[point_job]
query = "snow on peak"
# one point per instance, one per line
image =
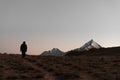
(89, 45)
(53, 52)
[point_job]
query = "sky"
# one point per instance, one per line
(63, 24)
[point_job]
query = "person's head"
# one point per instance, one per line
(23, 42)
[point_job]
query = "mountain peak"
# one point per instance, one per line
(54, 49)
(53, 52)
(90, 42)
(89, 45)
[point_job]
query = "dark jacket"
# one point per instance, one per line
(23, 47)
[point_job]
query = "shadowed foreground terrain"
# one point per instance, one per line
(13, 67)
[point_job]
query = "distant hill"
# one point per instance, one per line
(87, 47)
(53, 52)
(101, 51)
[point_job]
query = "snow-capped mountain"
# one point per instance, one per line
(53, 52)
(89, 45)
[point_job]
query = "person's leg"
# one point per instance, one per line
(23, 54)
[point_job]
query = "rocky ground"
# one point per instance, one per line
(13, 67)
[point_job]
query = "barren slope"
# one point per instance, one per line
(13, 67)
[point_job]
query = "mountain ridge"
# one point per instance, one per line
(88, 45)
(53, 52)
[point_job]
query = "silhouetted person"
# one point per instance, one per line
(23, 49)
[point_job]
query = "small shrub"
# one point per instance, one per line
(39, 76)
(66, 76)
(77, 68)
(12, 77)
(50, 70)
(66, 64)
(23, 76)
(40, 65)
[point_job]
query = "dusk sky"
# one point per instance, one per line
(63, 24)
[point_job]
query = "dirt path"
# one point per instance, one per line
(47, 76)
